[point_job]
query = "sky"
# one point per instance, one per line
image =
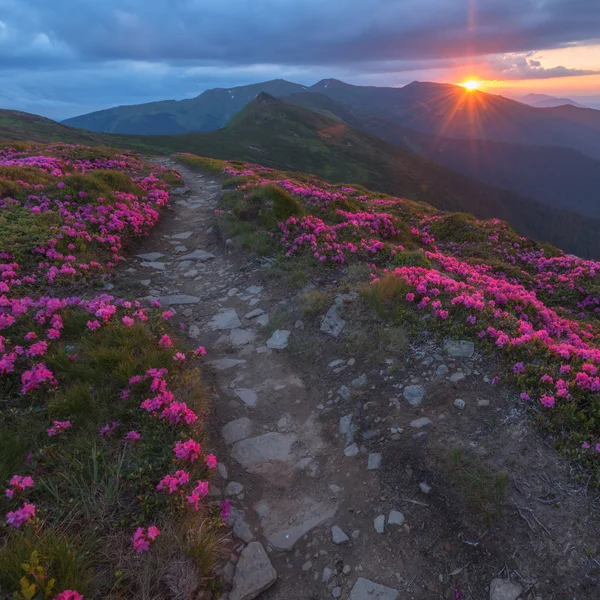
(67, 57)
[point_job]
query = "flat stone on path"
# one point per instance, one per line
(395, 517)
(150, 256)
(241, 529)
(248, 397)
(254, 289)
(374, 462)
(270, 447)
(379, 524)
(178, 299)
(279, 340)
(459, 348)
(221, 364)
(241, 337)
(254, 573)
(254, 313)
(422, 422)
(237, 430)
(200, 255)
(503, 589)
(182, 236)
(154, 265)
(263, 320)
(234, 488)
(226, 319)
(351, 450)
(364, 589)
(414, 394)
(338, 536)
(333, 324)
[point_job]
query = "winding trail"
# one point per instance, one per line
(333, 467)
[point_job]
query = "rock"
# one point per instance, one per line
(459, 348)
(194, 332)
(456, 377)
(232, 292)
(336, 363)
(379, 523)
(233, 488)
(364, 589)
(503, 589)
(483, 403)
(346, 570)
(221, 364)
(346, 424)
(345, 393)
(248, 397)
(425, 488)
(222, 470)
(279, 340)
(146, 282)
(180, 248)
(360, 381)
(150, 256)
(226, 319)
(254, 313)
(442, 370)
(336, 592)
(332, 323)
(154, 265)
(182, 236)
(421, 422)
(327, 575)
(254, 289)
(414, 394)
(191, 273)
(270, 447)
(338, 536)
(263, 320)
(460, 404)
(307, 566)
(199, 255)
(395, 518)
(241, 337)
(179, 191)
(237, 430)
(351, 450)
(254, 573)
(241, 529)
(178, 299)
(373, 462)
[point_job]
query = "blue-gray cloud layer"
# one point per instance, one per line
(78, 55)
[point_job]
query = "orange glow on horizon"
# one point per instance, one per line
(471, 84)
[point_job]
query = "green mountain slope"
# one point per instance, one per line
(555, 176)
(207, 112)
(276, 134)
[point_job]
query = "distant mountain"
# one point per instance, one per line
(207, 112)
(273, 133)
(545, 101)
(559, 177)
(451, 111)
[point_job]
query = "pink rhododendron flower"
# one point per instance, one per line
(171, 483)
(189, 450)
(22, 515)
(141, 538)
(211, 461)
(93, 325)
(225, 510)
(547, 401)
(165, 341)
(167, 314)
(108, 430)
(19, 484)
(128, 321)
(68, 594)
(200, 351)
(133, 436)
(58, 427)
(180, 357)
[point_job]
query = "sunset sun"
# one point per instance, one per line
(471, 84)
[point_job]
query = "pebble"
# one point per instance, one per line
(338, 536)
(421, 422)
(395, 518)
(351, 450)
(374, 462)
(379, 524)
(336, 592)
(460, 404)
(425, 488)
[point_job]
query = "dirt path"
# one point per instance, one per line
(369, 476)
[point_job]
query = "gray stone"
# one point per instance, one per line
(456, 377)
(241, 337)
(346, 424)
(241, 529)
(154, 265)
(414, 394)
(374, 462)
(191, 273)
(221, 364)
(421, 422)
(307, 566)
(503, 589)
(254, 573)
(270, 447)
(263, 320)
(338, 536)
(345, 393)
(179, 191)
(395, 518)
(222, 468)
(483, 403)
(379, 523)
(194, 332)
(182, 236)
(237, 430)
(336, 363)
(327, 575)
(150, 256)
(146, 282)
(180, 248)
(234, 488)
(442, 370)
(424, 487)
(459, 348)
(360, 381)
(351, 450)
(226, 319)
(279, 340)
(333, 324)
(460, 404)
(254, 313)
(199, 255)
(178, 299)
(336, 592)
(346, 570)
(364, 589)
(254, 289)
(248, 397)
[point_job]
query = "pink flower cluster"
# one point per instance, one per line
(142, 537)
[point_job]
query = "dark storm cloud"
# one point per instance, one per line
(79, 41)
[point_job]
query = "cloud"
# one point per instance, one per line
(523, 67)
(102, 53)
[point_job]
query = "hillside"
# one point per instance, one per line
(207, 112)
(554, 176)
(546, 101)
(279, 135)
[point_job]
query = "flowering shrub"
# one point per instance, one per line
(88, 384)
(536, 306)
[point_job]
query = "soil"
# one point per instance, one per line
(502, 502)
